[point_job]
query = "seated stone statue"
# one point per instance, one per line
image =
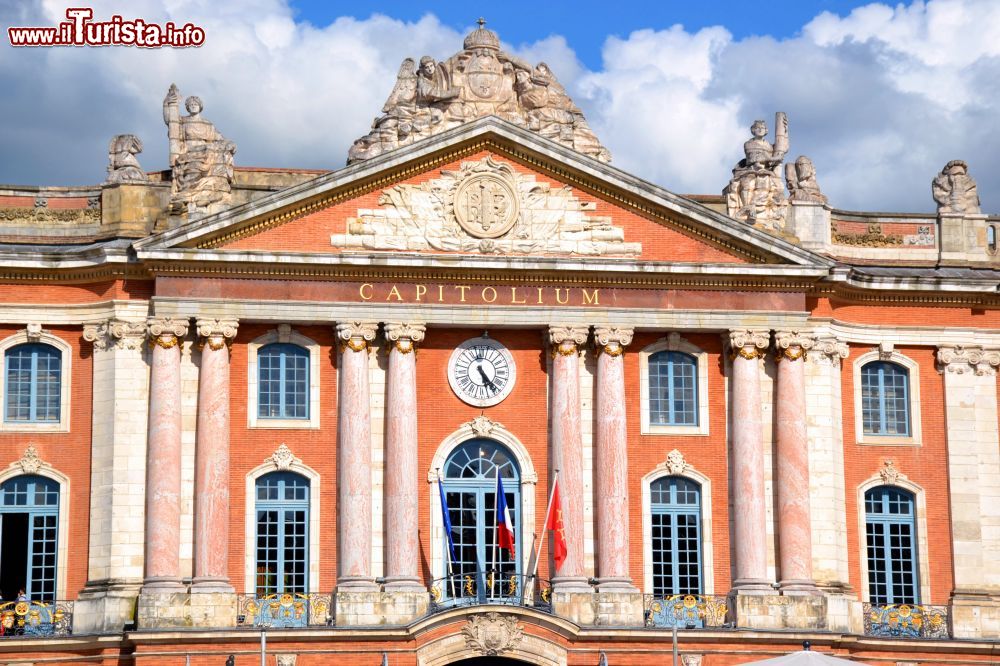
(123, 166)
(755, 193)
(800, 177)
(955, 191)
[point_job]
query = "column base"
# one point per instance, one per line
(156, 584)
(975, 615)
(211, 585)
(773, 611)
(798, 587)
(162, 610)
(751, 586)
(358, 607)
(572, 584)
(619, 608)
(105, 606)
(576, 606)
(403, 607)
(404, 584)
(620, 585)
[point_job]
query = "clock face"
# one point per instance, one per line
(481, 372)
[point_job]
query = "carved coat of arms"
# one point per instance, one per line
(492, 634)
(486, 204)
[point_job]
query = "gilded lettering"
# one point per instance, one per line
(361, 291)
(394, 292)
(463, 288)
(562, 300)
(591, 299)
(421, 290)
(539, 295)
(513, 297)
(440, 293)
(492, 291)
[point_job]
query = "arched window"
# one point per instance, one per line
(470, 482)
(673, 389)
(675, 505)
(283, 382)
(34, 380)
(991, 239)
(885, 399)
(890, 530)
(282, 506)
(29, 510)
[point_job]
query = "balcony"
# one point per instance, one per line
(686, 611)
(906, 621)
(36, 618)
(284, 611)
(489, 588)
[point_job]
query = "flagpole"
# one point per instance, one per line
(545, 525)
(444, 507)
(496, 523)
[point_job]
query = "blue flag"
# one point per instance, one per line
(446, 521)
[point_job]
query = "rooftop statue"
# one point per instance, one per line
(954, 189)
(123, 166)
(755, 193)
(481, 80)
(201, 159)
(801, 179)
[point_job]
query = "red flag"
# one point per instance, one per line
(555, 522)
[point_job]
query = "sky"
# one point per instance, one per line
(880, 96)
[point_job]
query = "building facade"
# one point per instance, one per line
(241, 405)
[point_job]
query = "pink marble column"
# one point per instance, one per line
(611, 462)
(163, 462)
(402, 552)
(749, 519)
(211, 464)
(354, 459)
(567, 449)
(794, 528)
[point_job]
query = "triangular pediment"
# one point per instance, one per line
(486, 188)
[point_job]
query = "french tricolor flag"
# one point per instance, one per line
(505, 529)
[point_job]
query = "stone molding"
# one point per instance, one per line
(115, 333)
(792, 345)
(828, 350)
(356, 335)
(612, 340)
(404, 335)
(748, 343)
(567, 339)
(491, 634)
(959, 359)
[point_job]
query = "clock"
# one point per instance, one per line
(481, 372)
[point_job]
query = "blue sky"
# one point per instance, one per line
(879, 95)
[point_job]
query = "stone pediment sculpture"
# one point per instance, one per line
(755, 194)
(800, 176)
(201, 159)
(123, 165)
(955, 191)
(488, 207)
(480, 80)
(491, 634)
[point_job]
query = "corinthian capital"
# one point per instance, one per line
(749, 343)
(792, 345)
(115, 332)
(959, 359)
(356, 335)
(166, 332)
(565, 340)
(828, 350)
(612, 340)
(404, 336)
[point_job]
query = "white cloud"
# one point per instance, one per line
(880, 99)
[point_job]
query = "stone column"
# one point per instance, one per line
(354, 465)
(611, 461)
(163, 464)
(974, 481)
(794, 530)
(402, 524)
(567, 450)
(211, 462)
(117, 476)
(749, 521)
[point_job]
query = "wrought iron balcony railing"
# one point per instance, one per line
(685, 611)
(490, 587)
(36, 618)
(906, 621)
(285, 610)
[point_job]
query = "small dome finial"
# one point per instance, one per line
(481, 22)
(481, 38)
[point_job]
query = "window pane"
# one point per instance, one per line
(283, 382)
(676, 536)
(673, 389)
(885, 399)
(891, 549)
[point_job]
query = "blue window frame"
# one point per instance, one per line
(885, 399)
(282, 382)
(29, 511)
(470, 490)
(282, 507)
(34, 384)
(673, 389)
(675, 505)
(890, 530)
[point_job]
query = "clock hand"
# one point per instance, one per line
(482, 373)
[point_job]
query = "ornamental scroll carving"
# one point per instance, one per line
(959, 359)
(483, 426)
(30, 462)
(355, 335)
(480, 80)
(612, 340)
(33, 332)
(167, 332)
(115, 333)
(491, 634)
(828, 350)
(889, 473)
(405, 336)
(486, 206)
(676, 464)
(566, 340)
(748, 343)
(283, 459)
(792, 345)
(217, 333)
